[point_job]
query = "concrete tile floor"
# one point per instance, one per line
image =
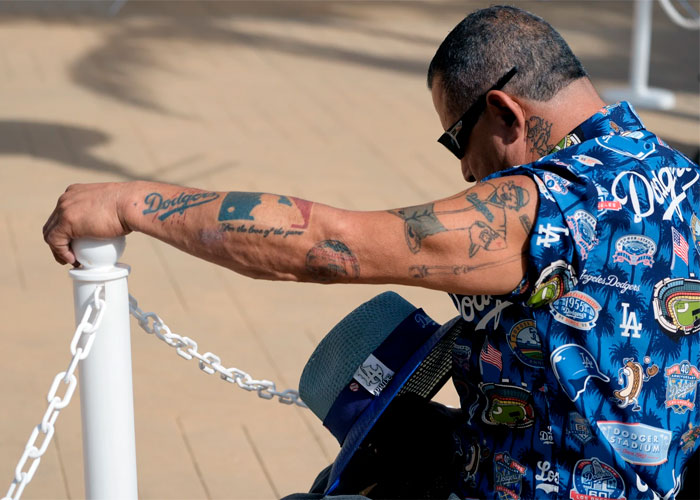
(322, 100)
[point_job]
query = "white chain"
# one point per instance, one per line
(80, 346)
(209, 362)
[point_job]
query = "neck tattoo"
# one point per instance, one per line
(539, 131)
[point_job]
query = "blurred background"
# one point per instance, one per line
(321, 100)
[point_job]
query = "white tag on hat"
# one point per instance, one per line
(373, 375)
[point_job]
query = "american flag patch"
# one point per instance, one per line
(491, 355)
(680, 246)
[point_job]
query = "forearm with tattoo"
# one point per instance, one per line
(252, 219)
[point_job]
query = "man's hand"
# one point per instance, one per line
(84, 210)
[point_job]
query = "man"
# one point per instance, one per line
(574, 259)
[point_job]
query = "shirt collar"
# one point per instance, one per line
(615, 119)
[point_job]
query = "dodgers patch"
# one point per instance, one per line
(681, 386)
(373, 375)
(695, 231)
(525, 343)
(556, 183)
(555, 281)
(635, 249)
(508, 476)
(596, 480)
(606, 201)
(677, 306)
(507, 405)
(576, 309)
(573, 365)
(579, 427)
(637, 443)
(582, 225)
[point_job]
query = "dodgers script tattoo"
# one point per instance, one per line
(241, 206)
(422, 221)
(539, 131)
(155, 203)
(425, 271)
(331, 260)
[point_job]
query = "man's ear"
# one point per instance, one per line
(506, 113)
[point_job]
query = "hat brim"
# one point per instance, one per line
(376, 408)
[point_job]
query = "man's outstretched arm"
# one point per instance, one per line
(473, 242)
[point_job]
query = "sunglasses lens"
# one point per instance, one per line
(451, 143)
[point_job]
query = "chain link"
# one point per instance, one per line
(80, 348)
(209, 362)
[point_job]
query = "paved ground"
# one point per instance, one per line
(322, 100)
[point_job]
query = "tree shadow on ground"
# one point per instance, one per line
(69, 145)
(113, 68)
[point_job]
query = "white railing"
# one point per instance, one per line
(106, 394)
(638, 92)
(101, 346)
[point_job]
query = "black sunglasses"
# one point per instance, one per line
(455, 138)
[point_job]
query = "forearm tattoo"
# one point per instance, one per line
(240, 211)
(426, 271)
(156, 203)
(329, 261)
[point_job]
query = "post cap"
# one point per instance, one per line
(96, 253)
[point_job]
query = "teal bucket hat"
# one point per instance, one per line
(384, 348)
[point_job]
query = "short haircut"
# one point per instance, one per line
(488, 43)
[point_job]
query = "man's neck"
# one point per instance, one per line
(549, 122)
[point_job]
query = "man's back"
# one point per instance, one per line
(583, 382)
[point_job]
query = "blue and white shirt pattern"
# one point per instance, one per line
(582, 384)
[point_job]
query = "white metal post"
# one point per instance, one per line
(106, 394)
(639, 93)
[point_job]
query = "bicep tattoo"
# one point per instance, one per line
(489, 232)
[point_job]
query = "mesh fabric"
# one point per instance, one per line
(335, 360)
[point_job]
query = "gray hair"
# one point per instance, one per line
(488, 43)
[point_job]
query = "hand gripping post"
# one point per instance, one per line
(106, 394)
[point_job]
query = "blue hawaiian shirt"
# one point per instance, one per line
(582, 383)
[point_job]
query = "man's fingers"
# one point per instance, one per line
(58, 240)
